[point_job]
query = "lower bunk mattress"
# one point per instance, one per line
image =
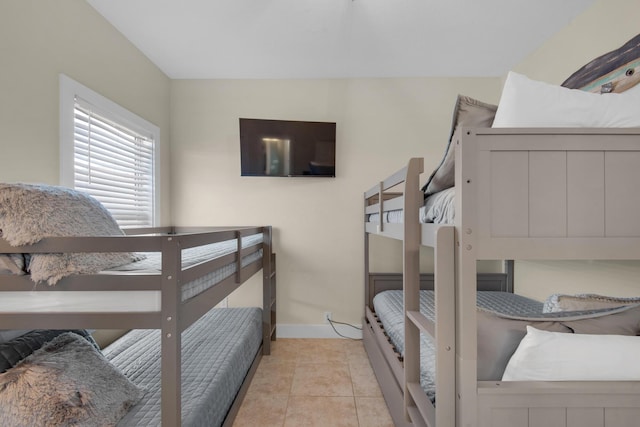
(217, 352)
(389, 309)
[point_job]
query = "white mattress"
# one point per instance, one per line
(133, 301)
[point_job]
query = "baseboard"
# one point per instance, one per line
(317, 331)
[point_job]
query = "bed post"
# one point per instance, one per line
(466, 279)
(367, 291)
(268, 291)
(170, 335)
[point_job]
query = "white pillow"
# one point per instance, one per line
(556, 356)
(529, 103)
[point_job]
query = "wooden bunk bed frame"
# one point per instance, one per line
(174, 315)
(534, 194)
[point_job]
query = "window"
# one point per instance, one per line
(110, 153)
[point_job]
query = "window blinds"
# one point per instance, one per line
(114, 164)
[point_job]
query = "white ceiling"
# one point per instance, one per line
(193, 39)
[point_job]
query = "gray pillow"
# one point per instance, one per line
(67, 382)
(499, 335)
(621, 321)
(468, 112)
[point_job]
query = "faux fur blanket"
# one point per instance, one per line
(29, 213)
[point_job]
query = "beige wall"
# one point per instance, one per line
(605, 26)
(38, 41)
(318, 222)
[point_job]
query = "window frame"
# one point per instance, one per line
(69, 89)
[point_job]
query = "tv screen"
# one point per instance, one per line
(287, 148)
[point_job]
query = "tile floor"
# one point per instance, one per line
(314, 382)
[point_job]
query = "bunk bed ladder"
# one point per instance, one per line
(442, 332)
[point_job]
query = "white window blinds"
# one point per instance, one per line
(115, 164)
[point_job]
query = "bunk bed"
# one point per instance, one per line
(181, 352)
(520, 193)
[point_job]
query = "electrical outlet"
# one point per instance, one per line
(327, 316)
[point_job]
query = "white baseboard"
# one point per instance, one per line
(316, 331)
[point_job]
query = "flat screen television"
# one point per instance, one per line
(287, 148)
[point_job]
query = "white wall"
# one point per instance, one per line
(607, 25)
(38, 41)
(317, 221)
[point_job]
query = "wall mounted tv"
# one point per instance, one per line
(287, 148)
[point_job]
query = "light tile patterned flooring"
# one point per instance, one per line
(314, 382)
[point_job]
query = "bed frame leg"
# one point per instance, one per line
(268, 292)
(509, 269)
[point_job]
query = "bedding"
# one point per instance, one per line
(14, 351)
(502, 321)
(388, 306)
(217, 351)
(138, 301)
(29, 213)
(467, 112)
(560, 302)
(500, 332)
(9, 334)
(529, 103)
(552, 356)
(152, 261)
(66, 382)
(142, 301)
(439, 208)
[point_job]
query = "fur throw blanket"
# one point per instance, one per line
(29, 213)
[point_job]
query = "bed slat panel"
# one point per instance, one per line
(509, 417)
(622, 174)
(585, 194)
(585, 417)
(547, 193)
(621, 417)
(547, 417)
(563, 417)
(509, 193)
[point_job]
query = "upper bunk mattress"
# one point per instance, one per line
(89, 300)
(152, 263)
(438, 208)
(217, 352)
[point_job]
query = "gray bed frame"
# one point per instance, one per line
(534, 194)
(174, 315)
